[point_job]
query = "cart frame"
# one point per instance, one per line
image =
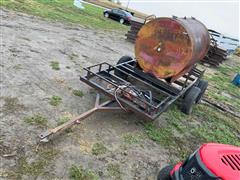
(105, 72)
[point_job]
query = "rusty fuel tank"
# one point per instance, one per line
(169, 47)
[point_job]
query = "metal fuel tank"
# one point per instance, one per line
(169, 47)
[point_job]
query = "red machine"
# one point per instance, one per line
(210, 161)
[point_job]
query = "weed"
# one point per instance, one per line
(78, 93)
(55, 65)
(11, 105)
(98, 149)
(8, 175)
(36, 120)
(55, 100)
(63, 119)
(114, 171)
(78, 173)
(131, 138)
(37, 166)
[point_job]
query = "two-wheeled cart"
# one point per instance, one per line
(131, 89)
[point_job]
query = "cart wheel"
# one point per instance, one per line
(119, 73)
(203, 84)
(190, 99)
(164, 173)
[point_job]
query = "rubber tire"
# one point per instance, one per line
(164, 173)
(106, 15)
(203, 84)
(190, 99)
(122, 21)
(122, 60)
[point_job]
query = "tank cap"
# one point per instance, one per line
(174, 17)
(193, 17)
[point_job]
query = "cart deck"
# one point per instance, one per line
(139, 92)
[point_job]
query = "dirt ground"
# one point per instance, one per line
(28, 46)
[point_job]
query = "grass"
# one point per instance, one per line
(36, 120)
(63, 119)
(66, 12)
(55, 65)
(37, 166)
(11, 105)
(55, 100)
(98, 149)
(217, 127)
(114, 171)
(131, 138)
(222, 90)
(77, 93)
(182, 134)
(79, 173)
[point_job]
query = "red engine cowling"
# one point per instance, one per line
(222, 160)
(210, 161)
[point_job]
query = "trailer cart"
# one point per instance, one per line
(131, 89)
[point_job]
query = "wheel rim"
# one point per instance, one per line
(106, 15)
(121, 21)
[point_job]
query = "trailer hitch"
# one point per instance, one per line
(105, 106)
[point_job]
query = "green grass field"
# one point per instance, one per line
(223, 90)
(182, 134)
(65, 11)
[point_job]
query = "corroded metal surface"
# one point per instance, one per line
(169, 47)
